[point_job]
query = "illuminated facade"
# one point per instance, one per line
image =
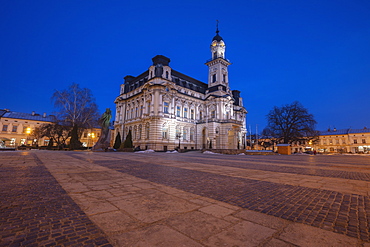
(164, 108)
(16, 128)
(344, 141)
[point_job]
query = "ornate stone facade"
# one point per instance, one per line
(164, 108)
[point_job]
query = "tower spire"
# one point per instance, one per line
(217, 21)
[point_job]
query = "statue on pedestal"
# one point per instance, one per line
(104, 140)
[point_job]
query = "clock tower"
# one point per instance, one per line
(218, 79)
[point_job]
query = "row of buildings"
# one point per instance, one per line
(16, 129)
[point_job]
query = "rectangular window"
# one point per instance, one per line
(165, 107)
(185, 112)
(5, 127)
(330, 141)
(213, 114)
(214, 78)
(14, 128)
(200, 115)
(148, 112)
(191, 134)
(178, 111)
(344, 141)
(184, 134)
(337, 141)
(363, 140)
(355, 141)
(192, 114)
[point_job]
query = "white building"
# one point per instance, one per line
(163, 107)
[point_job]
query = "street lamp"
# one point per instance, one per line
(92, 135)
(178, 136)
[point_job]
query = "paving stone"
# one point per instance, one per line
(197, 225)
(262, 219)
(303, 235)
(242, 234)
(217, 210)
(155, 206)
(156, 236)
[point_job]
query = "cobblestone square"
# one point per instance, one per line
(52, 198)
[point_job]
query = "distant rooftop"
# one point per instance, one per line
(28, 116)
(344, 131)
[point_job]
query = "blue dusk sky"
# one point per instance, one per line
(313, 51)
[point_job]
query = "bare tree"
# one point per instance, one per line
(77, 108)
(290, 123)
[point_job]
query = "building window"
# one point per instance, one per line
(363, 140)
(165, 107)
(324, 142)
(330, 141)
(166, 74)
(192, 134)
(148, 112)
(192, 114)
(224, 79)
(214, 78)
(132, 113)
(147, 129)
(184, 134)
(139, 134)
(15, 127)
(355, 141)
(5, 127)
(200, 115)
(185, 112)
(141, 111)
(165, 132)
(136, 112)
(344, 141)
(337, 141)
(178, 111)
(213, 114)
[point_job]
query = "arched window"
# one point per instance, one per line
(164, 131)
(147, 129)
(134, 134)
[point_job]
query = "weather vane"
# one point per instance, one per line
(217, 21)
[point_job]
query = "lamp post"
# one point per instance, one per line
(92, 136)
(178, 136)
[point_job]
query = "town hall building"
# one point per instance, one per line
(165, 109)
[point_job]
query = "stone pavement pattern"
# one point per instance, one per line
(195, 199)
(36, 211)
